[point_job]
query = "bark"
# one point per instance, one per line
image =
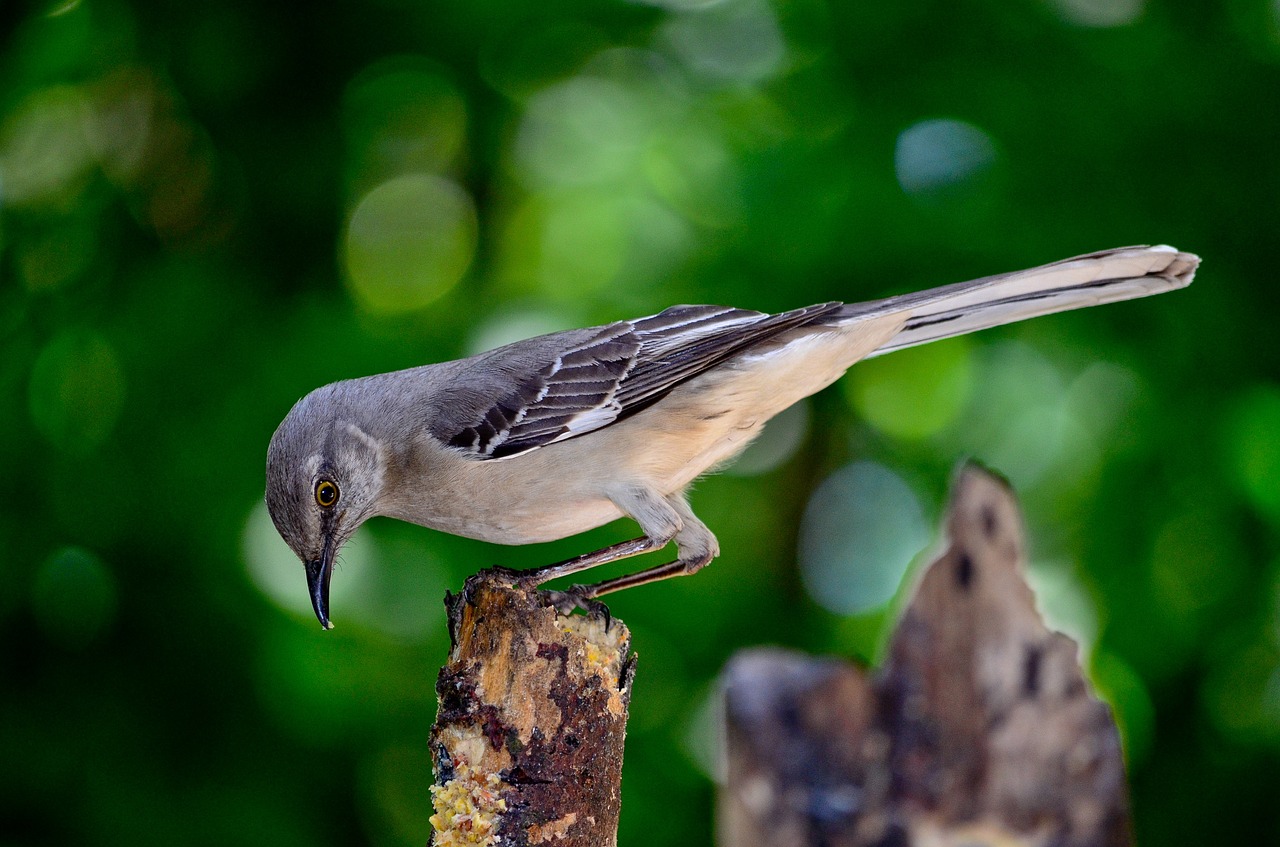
(527, 744)
(980, 729)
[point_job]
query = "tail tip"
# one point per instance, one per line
(1181, 268)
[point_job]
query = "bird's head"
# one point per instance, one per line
(324, 477)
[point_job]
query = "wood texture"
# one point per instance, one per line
(528, 741)
(979, 730)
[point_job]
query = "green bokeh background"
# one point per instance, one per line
(208, 209)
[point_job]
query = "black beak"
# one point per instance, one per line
(318, 574)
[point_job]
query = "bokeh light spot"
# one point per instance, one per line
(131, 134)
(401, 116)
(1122, 688)
(1253, 448)
(277, 572)
(781, 437)
(658, 241)
(77, 391)
(575, 243)
(508, 326)
(571, 244)
(408, 242)
(1043, 444)
(60, 9)
(1099, 13)
(73, 597)
(1101, 396)
(737, 40)
(1023, 418)
(678, 5)
(859, 533)
(386, 585)
(44, 148)
(582, 131)
(691, 169)
(703, 741)
(935, 155)
(914, 393)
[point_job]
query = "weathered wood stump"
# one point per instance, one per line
(979, 730)
(527, 744)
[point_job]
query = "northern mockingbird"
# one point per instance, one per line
(556, 435)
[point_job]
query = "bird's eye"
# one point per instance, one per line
(326, 493)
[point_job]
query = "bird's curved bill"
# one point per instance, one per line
(319, 572)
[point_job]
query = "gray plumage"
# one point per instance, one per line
(558, 434)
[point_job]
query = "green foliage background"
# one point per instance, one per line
(208, 209)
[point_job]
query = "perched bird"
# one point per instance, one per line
(556, 435)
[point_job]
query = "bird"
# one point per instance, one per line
(552, 436)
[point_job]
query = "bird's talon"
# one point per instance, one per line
(561, 601)
(564, 602)
(603, 611)
(595, 609)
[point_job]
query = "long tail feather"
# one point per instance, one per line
(1091, 280)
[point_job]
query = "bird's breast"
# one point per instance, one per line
(511, 501)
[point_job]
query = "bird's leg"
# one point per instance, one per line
(680, 567)
(697, 545)
(659, 517)
(534, 577)
(663, 519)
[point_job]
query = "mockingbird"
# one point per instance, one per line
(555, 435)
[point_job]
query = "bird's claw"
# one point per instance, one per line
(565, 602)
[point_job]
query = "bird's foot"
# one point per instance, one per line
(564, 602)
(575, 597)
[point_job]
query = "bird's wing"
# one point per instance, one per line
(552, 391)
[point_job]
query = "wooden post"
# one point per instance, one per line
(527, 744)
(979, 730)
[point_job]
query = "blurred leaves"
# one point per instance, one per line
(77, 391)
(1253, 447)
(206, 211)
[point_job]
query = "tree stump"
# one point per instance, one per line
(527, 744)
(979, 730)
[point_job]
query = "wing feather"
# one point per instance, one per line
(617, 371)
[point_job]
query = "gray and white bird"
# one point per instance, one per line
(556, 435)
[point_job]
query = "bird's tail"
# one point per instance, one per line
(1091, 280)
